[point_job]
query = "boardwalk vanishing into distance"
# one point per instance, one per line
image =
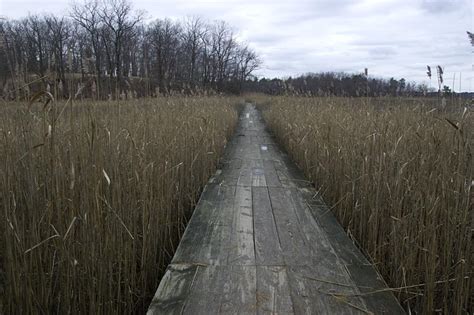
(261, 241)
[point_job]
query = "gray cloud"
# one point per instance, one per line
(382, 52)
(443, 6)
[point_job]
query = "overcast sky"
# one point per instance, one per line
(390, 37)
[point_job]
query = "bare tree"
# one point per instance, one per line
(36, 30)
(59, 33)
(223, 44)
(248, 62)
(194, 31)
(87, 16)
(106, 39)
(6, 67)
(119, 19)
(164, 35)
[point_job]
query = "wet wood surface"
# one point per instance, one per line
(261, 241)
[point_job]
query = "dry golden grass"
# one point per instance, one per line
(399, 176)
(93, 204)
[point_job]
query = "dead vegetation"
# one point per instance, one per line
(399, 177)
(95, 196)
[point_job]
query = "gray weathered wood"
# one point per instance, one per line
(207, 236)
(258, 174)
(271, 176)
(241, 247)
(273, 291)
(173, 291)
(223, 289)
(323, 290)
(267, 243)
(368, 281)
(262, 241)
(294, 248)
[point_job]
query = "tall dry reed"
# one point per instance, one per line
(399, 174)
(93, 205)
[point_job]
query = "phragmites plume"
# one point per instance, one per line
(471, 37)
(440, 74)
(428, 72)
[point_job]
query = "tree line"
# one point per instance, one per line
(338, 84)
(105, 49)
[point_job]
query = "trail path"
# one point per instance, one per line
(261, 241)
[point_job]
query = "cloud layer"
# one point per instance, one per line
(391, 37)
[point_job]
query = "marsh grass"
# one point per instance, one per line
(93, 206)
(399, 176)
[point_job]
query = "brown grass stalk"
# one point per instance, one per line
(93, 209)
(398, 173)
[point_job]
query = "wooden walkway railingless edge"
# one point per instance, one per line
(261, 241)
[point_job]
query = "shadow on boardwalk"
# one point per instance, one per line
(262, 242)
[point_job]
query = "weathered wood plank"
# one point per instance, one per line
(303, 242)
(240, 291)
(323, 290)
(267, 243)
(346, 250)
(263, 138)
(322, 214)
(294, 248)
(198, 229)
(337, 245)
(333, 231)
(241, 247)
(258, 174)
(223, 290)
(173, 291)
(312, 232)
(368, 281)
(207, 236)
(271, 176)
(206, 295)
(245, 175)
(289, 174)
(270, 151)
(273, 291)
(250, 151)
(232, 165)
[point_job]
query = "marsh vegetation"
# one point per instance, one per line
(399, 175)
(95, 196)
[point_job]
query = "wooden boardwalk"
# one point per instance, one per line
(261, 241)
